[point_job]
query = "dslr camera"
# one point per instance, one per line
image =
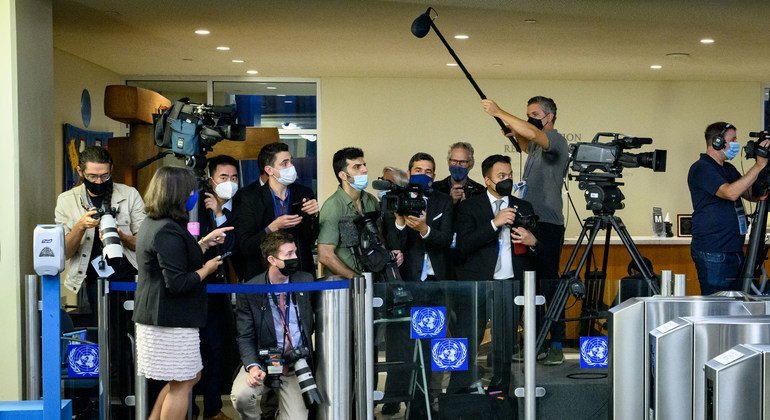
(526, 220)
(112, 249)
(272, 360)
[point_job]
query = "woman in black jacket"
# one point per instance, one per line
(170, 304)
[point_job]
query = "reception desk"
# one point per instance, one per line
(664, 253)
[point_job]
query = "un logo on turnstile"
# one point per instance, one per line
(428, 322)
(594, 352)
(83, 361)
(449, 354)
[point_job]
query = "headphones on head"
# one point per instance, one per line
(719, 142)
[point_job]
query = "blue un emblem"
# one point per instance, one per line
(83, 361)
(594, 352)
(449, 354)
(428, 322)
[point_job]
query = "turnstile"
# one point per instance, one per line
(679, 350)
(629, 325)
(738, 384)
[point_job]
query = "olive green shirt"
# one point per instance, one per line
(338, 205)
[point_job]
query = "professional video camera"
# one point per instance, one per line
(405, 201)
(191, 130)
(112, 248)
(752, 147)
(599, 164)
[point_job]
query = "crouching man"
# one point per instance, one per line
(274, 332)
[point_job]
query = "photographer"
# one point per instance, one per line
(280, 204)
(719, 221)
(424, 241)
(494, 235)
(547, 156)
(349, 201)
(458, 185)
(271, 329)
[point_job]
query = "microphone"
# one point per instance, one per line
(382, 184)
(349, 237)
(421, 25)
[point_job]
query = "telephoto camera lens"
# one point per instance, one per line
(113, 249)
(310, 393)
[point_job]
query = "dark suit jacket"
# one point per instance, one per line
(477, 239)
(169, 293)
(439, 218)
(255, 210)
(446, 184)
(254, 318)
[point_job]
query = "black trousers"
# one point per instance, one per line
(550, 239)
(216, 337)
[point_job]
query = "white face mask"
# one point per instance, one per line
(226, 190)
(287, 176)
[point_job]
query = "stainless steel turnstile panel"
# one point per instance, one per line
(629, 325)
(738, 384)
(678, 390)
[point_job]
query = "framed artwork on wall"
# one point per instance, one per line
(684, 225)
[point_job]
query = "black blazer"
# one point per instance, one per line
(255, 210)
(438, 215)
(254, 318)
(477, 239)
(446, 184)
(169, 293)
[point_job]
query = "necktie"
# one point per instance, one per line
(286, 337)
(498, 206)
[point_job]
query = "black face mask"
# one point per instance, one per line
(537, 123)
(98, 189)
(290, 266)
(504, 187)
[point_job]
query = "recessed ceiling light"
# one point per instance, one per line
(530, 21)
(202, 31)
(707, 41)
(279, 94)
(461, 36)
(237, 61)
(288, 102)
(113, 13)
(252, 71)
(497, 64)
(451, 64)
(223, 48)
(678, 56)
(271, 87)
(656, 67)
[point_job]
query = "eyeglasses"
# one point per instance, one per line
(94, 178)
(455, 162)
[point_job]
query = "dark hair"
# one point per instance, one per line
(221, 160)
(489, 162)
(549, 106)
(421, 156)
(717, 129)
(632, 265)
(273, 241)
(168, 192)
(341, 157)
(267, 154)
(93, 154)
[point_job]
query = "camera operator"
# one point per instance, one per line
(76, 210)
(547, 157)
(424, 241)
(272, 329)
(719, 221)
(494, 235)
(348, 201)
(458, 185)
(216, 212)
(280, 204)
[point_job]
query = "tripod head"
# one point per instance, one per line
(602, 193)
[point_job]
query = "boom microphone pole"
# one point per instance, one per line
(420, 27)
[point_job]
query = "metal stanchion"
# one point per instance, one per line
(680, 285)
(369, 342)
(103, 312)
(530, 391)
(32, 319)
(333, 354)
(359, 338)
(666, 284)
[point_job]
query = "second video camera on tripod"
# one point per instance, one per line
(405, 201)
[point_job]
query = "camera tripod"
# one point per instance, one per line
(570, 280)
(756, 252)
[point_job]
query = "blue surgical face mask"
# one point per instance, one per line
(422, 180)
(732, 150)
(190, 203)
(458, 172)
(360, 182)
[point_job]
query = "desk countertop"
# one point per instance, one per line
(638, 240)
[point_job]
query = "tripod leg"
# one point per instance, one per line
(625, 237)
(756, 240)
